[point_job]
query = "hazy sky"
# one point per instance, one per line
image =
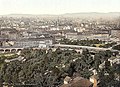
(57, 6)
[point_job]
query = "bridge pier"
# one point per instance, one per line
(10, 50)
(16, 50)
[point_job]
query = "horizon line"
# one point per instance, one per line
(54, 14)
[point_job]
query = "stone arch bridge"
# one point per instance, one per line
(55, 46)
(10, 49)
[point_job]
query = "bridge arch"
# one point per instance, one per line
(13, 50)
(18, 49)
(7, 50)
(2, 50)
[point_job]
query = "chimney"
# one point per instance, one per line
(93, 79)
(67, 80)
(95, 83)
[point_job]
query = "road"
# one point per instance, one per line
(81, 47)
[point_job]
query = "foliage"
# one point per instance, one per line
(108, 45)
(49, 68)
(81, 42)
(117, 47)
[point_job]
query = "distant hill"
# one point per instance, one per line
(28, 15)
(93, 14)
(80, 15)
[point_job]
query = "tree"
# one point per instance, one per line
(117, 47)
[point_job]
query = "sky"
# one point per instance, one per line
(57, 6)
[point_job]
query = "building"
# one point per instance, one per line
(71, 36)
(35, 40)
(32, 42)
(74, 36)
(9, 33)
(103, 37)
(76, 82)
(115, 33)
(6, 31)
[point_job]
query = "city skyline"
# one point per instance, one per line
(57, 6)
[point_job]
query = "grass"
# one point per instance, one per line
(9, 55)
(97, 45)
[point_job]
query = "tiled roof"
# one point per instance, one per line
(78, 82)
